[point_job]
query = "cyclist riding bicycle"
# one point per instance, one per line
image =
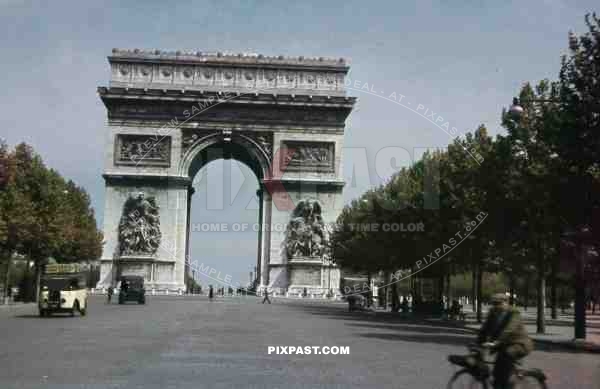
(504, 330)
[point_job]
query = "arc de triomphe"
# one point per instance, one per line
(170, 113)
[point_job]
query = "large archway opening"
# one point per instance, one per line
(225, 213)
(223, 236)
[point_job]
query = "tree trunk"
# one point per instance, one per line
(541, 298)
(580, 314)
(511, 287)
(395, 299)
(369, 291)
(553, 292)
(474, 287)
(479, 291)
(7, 280)
(449, 296)
(440, 294)
(526, 292)
(38, 276)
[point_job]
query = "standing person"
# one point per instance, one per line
(211, 292)
(109, 294)
(404, 305)
(351, 302)
(266, 298)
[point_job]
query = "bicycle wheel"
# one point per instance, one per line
(529, 380)
(463, 379)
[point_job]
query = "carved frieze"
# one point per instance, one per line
(153, 150)
(318, 75)
(220, 112)
(308, 156)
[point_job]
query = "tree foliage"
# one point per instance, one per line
(42, 215)
(536, 181)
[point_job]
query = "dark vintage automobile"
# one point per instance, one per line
(132, 289)
(356, 302)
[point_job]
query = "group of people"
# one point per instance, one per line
(220, 291)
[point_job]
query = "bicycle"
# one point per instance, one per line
(475, 372)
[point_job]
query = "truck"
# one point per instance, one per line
(63, 290)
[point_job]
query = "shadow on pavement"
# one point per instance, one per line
(55, 316)
(426, 329)
(408, 328)
(453, 340)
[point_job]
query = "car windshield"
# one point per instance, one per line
(61, 283)
(133, 282)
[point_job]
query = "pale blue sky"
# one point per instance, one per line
(462, 59)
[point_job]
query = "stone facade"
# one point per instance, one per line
(169, 114)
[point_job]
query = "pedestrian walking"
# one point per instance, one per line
(211, 292)
(266, 298)
(109, 294)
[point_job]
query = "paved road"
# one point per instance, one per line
(175, 342)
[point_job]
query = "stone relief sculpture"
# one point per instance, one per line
(139, 228)
(188, 140)
(143, 149)
(305, 234)
(265, 143)
(308, 155)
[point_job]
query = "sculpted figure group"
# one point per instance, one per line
(305, 235)
(139, 228)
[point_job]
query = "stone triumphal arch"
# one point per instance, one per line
(171, 113)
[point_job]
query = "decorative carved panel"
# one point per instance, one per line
(308, 156)
(154, 150)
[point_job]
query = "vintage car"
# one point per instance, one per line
(356, 302)
(62, 290)
(132, 289)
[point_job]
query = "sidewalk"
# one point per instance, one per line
(13, 304)
(559, 332)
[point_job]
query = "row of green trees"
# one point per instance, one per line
(535, 183)
(42, 215)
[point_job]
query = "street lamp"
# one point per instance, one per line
(516, 109)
